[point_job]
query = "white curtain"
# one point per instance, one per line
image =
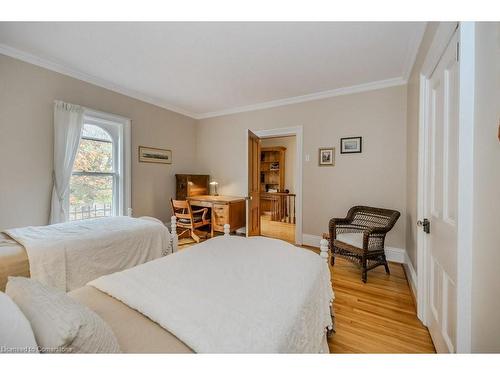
(68, 124)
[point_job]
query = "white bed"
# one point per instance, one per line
(68, 255)
(226, 295)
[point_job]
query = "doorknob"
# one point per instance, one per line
(425, 224)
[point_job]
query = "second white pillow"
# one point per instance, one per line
(60, 324)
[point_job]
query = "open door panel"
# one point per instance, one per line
(253, 219)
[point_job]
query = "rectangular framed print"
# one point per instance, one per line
(326, 157)
(351, 145)
(154, 155)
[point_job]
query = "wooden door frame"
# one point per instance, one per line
(296, 131)
(466, 39)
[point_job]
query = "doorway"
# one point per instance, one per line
(277, 187)
(275, 170)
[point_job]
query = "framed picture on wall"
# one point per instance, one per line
(351, 145)
(154, 155)
(326, 157)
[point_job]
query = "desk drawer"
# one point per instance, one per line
(221, 215)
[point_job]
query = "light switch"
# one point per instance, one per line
(308, 157)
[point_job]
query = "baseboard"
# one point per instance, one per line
(411, 274)
(393, 254)
(310, 240)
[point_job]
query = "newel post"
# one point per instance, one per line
(173, 231)
(323, 248)
(227, 230)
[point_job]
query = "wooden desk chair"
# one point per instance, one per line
(190, 220)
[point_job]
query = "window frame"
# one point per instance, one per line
(118, 128)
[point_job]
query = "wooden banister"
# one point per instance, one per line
(282, 206)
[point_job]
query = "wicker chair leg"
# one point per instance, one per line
(386, 265)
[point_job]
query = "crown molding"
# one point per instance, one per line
(412, 51)
(398, 81)
(59, 68)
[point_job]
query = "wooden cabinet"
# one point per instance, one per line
(188, 185)
(272, 169)
(272, 174)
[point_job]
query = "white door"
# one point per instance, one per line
(441, 199)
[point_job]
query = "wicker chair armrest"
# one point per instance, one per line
(377, 237)
(339, 221)
(342, 225)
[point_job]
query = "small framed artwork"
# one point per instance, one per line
(154, 155)
(326, 157)
(351, 145)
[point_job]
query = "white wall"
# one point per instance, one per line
(376, 177)
(486, 251)
(291, 149)
(27, 94)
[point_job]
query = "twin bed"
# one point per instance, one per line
(228, 294)
(56, 254)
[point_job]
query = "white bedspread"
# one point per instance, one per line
(68, 255)
(233, 295)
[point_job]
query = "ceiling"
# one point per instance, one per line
(208, 69)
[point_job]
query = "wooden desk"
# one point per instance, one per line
(225, 210)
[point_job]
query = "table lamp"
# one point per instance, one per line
(214, 184)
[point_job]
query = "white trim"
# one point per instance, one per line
(296, 131)
(421, 198)
(465, 187)
(127, 172)
(311, 240)
(412, 275)
(62, 69)
(398, 81)
(393, 254)
(439, 43)
(124, 124)
(413, 48)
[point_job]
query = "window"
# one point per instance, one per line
(98, 185)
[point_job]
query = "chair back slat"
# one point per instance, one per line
(181, 209)
(179, 204)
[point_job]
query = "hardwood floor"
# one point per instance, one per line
(276, 229)
(376, 317)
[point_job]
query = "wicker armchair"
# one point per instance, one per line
(360, 236)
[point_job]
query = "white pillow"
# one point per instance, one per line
(16, 335)
(60, 323)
